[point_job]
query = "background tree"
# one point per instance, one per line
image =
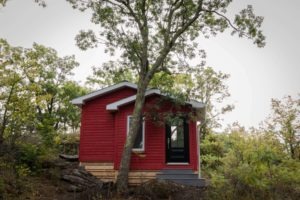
(48, 75)
(17, 111)
(210, 88)
(35, 93)
(155, 36)
(284, 122)
(110, 73)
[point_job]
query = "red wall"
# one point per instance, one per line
(103, 135)
(97, 127)
(154, 156)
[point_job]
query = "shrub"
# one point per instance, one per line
(27, 157)
(249, 166)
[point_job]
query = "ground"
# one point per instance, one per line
(62, 181)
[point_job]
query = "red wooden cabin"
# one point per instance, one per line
(165, 150)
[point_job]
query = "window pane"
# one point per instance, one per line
(138, 144)
(177, 134)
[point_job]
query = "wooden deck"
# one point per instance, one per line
(106, 172)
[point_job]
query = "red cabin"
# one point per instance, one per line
(167, 145)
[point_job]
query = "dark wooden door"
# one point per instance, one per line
(177, 141)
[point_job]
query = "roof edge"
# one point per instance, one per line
(115, 105)
(92, 95)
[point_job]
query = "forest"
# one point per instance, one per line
(156, 44)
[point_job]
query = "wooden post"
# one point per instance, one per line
(198, 150)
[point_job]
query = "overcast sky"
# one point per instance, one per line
(257, 75)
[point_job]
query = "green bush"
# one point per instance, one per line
(27, 157)
(249, 166)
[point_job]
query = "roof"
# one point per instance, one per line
(115, 105)
(82, 99)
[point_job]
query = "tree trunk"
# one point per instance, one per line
(1, 141)
(122, 179)
(4, 120)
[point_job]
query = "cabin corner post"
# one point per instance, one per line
(201, 113)
(198, 151)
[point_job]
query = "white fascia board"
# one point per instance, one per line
(114, 106)
(82, 99)
(196, 104)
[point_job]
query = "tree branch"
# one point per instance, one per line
(170, 45)
(143, 27)
(228, 21)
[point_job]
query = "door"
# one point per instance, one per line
(177, 141)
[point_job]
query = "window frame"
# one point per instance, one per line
(143, 134)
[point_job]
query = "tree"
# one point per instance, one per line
(35, 93)
(16, 113)
(67, 114)
(284, 122)
(157, 36)
(210, 88)
(48, 75)
(110, 73)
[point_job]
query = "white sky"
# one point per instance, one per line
(257, 75)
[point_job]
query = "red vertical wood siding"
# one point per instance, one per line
(97, 139)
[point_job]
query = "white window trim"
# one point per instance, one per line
(143, 132)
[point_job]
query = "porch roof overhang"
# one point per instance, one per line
(115, 105)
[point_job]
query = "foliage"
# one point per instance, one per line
(212, 151)
(209, 87)
(28, 157)
(284, 122)
(35, 93)
(3, 2)
(110, 74)
(249, 165)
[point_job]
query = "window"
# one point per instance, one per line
(139, 144)
(177, 134)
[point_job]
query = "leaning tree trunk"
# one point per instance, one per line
(122, 179)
